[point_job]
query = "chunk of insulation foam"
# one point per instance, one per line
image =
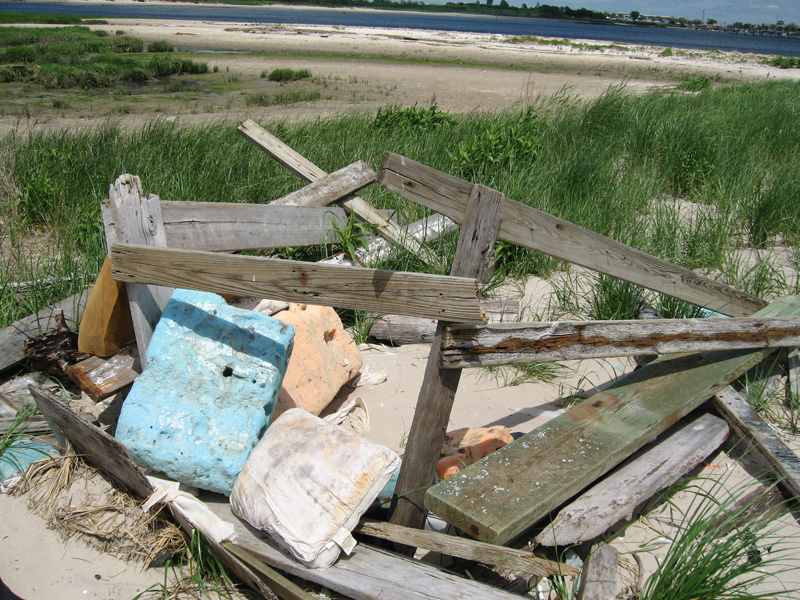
(324, 358)
(208, 391)
(463, 447)
(307, 484)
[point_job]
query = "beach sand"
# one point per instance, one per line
(456, 71)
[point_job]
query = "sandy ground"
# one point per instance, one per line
(459, 72)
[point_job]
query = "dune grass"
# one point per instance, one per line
(687, 177)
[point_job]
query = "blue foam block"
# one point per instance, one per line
(207, 393)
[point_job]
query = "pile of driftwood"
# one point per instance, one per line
(508, 498)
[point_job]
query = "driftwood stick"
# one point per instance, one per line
(507, 558)
(599, 576)
(510, 343)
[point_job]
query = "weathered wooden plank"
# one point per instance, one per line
(308, 171)
(599, 576)
(532, 228)
(615, 498)
(138, 220)
(475, 250)
(98, 448)
(101, 377)
(283, 587)
(331, 188)
(104, 452)
(508, 558)
(761, 438)
(503, 494)
(13, 336)
(417, 294)
(228, 227)
(400, 330)
(367, 573)
(509, 343)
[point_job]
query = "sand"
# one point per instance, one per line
(459, 72)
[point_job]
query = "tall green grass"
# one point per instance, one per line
(625, 166)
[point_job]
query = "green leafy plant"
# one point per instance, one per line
(351, 235)
(160, 46)
(394, 117)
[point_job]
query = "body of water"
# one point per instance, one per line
(657, 36)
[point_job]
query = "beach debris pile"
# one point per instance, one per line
(226, 400)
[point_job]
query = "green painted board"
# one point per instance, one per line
(502, 495)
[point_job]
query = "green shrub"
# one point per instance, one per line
(394, 117)
(666, 52)
(287, 75)
(160, 46)
(164, 66)
(697, 84)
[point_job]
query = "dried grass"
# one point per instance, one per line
(77, 501)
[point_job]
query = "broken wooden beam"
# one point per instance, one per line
(505, 493)
(615, 499)
(531, 228)
(474, 252)
(416, 294)
(519, 343)
(520, 561)
(760, 438)
(399, 329)
(599, 575)
(138, 220)
(331, 188)
(12, 338)
(101, 378)
(310, 172)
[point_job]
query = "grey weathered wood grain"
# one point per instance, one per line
(13, 337)
(367, 574)
(509, 343)
(532, 228)
(425, 438)
(138, 220)
(599, 576)
(308, 171)
(508, 558)
(228, 227)
(331, 188)
(760, 437)
(400, 330)
(503, 494)
(615, 498)
(417, 294)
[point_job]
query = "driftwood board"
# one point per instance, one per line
(415, 294)
(13, 337)
(332, 187)
(599, 576)
(500, 496)
(761, 439)
(510, 343)
(532, 228)
(615, 498)
(367, 574)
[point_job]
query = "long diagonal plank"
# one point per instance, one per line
(526, 226)
(332, 187)
(760, 438)
(310, 172)
(500, 496)
(475, 250)
(518, 343)
(416, 294)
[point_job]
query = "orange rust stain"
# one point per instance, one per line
(303, 277)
